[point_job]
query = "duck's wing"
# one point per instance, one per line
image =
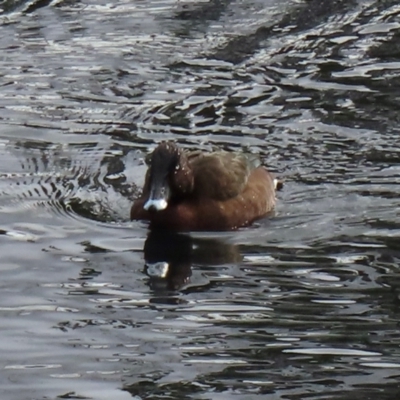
(220, 175)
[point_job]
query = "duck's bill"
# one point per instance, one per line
(158, 199)
(155, 205)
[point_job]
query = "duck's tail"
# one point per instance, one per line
(278, 184)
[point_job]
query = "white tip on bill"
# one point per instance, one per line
(157, 205)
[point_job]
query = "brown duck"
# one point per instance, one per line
(197, 191)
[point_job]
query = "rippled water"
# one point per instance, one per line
(302, 305)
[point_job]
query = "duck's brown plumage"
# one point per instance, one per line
(203, 191)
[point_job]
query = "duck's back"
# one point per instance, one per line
(209, 214)
(220, 175)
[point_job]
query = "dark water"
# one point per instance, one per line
(303, 305)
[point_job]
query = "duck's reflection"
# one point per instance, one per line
(169, 257)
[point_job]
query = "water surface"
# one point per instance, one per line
(301, 305)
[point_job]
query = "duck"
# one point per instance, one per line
(203, 191)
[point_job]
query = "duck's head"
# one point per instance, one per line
(169, 176)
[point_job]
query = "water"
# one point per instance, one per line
(301, 305)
